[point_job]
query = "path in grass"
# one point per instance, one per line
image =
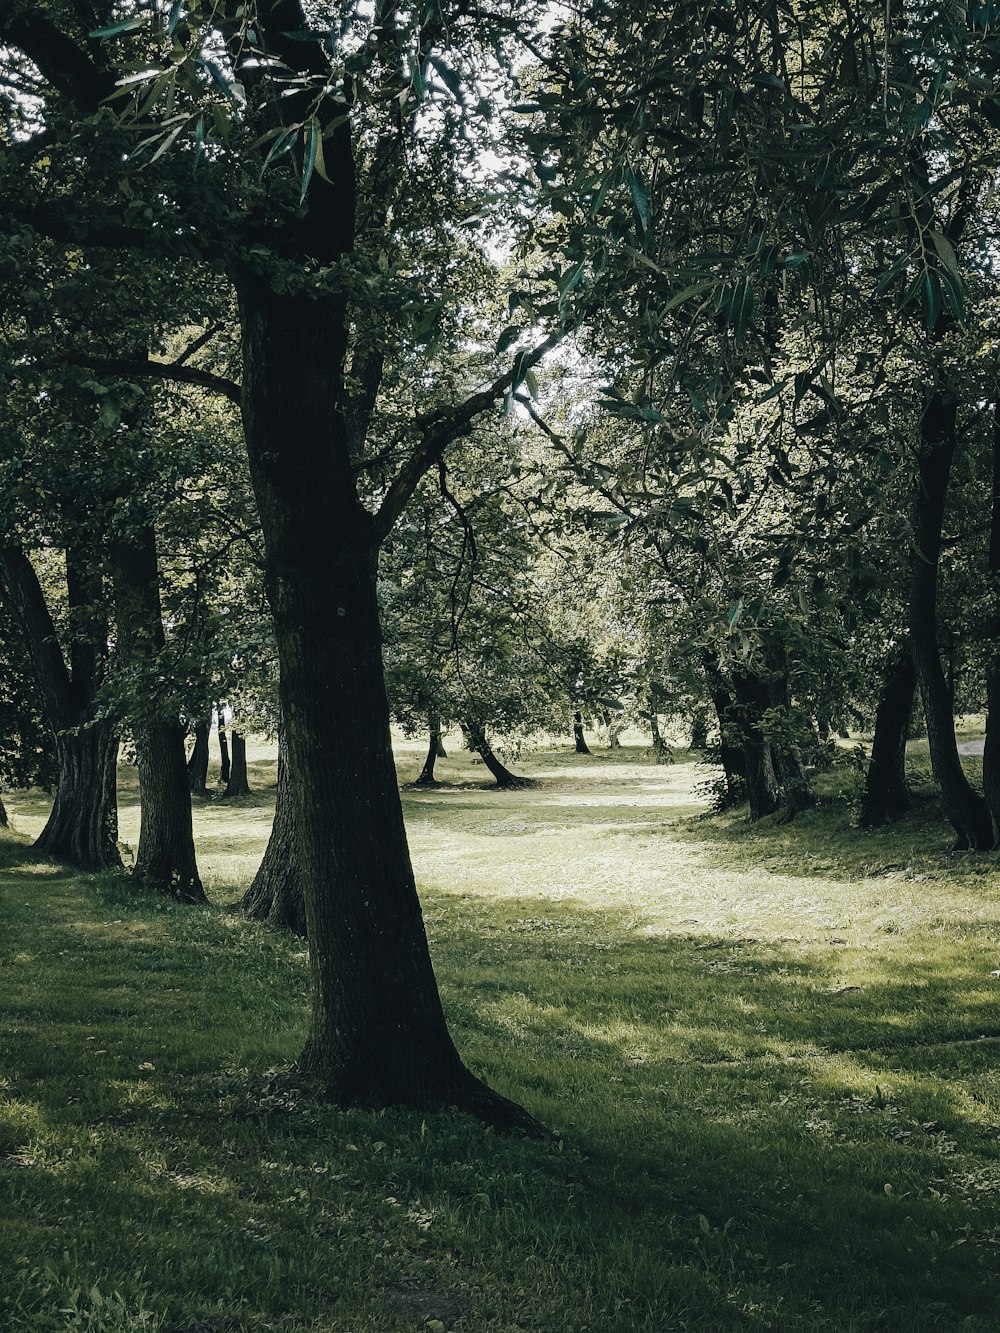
(770, 1055)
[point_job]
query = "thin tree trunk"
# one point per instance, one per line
(239, 783)
(480, 744)
(197, 765)
(165, 859)
(886, 795)
(4, 821)
(579, 739)
(377, 1034)
(275, 896)
(964, 807)
(786, 759)
(661, 750)
(83, 825)
(426, 778)
(225, 765)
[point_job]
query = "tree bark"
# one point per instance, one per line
(731, 754)
(275, 896)
(239, 783)
(579, 739)
(377, 1034)
(83, 825)
(661, 750)
(225, 765)
(479, 744)
(197, 765)
(964, 807)
(4, 821)
(426, 778)
(699, 729)
(752, 697)
(886, 795)
(991, 751)
(165, 859)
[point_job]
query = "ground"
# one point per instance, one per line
(768, 1057)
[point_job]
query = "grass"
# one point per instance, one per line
(769, 1057)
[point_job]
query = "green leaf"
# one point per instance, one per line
(451, 79)
(126, 25)
(734, 613)
(311, 140)
(640, 199)
(931, 300)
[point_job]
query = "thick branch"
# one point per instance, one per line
(28, 603)
(60, 58)
(161, 370)
(440, 428)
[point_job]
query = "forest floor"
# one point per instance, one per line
(769, 1057)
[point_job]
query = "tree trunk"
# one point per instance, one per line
(165, 859)
(885, 795)
(579, 739)
(275, 896)
(964, 807)
(197, 765)
(752, 698)
(441, 752)
(426, 778)
(225, 766)
(480, 745)
(83, 825)
(991, 751)
(699, 729)
(786, 757)
(4, 821)
(661, 750)
(731, 755)
(239, 783)
(377, 1035)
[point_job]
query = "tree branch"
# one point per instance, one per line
(62, 61)
(161, 370)
(440, 428)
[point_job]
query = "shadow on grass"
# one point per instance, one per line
(748, 1142)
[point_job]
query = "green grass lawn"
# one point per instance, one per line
(769, 1056)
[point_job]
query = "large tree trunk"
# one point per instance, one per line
(83, 825)
(752, 697)
(885, 795)
(991, 751)
(426, 777)
(731, 754)
(275, 896)
(239, 783)
(579, 739)
(378, 1035)
(165, 859)
(479, 744)
(964, 807)
(197, 765)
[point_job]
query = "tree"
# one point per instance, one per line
(343, 154)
